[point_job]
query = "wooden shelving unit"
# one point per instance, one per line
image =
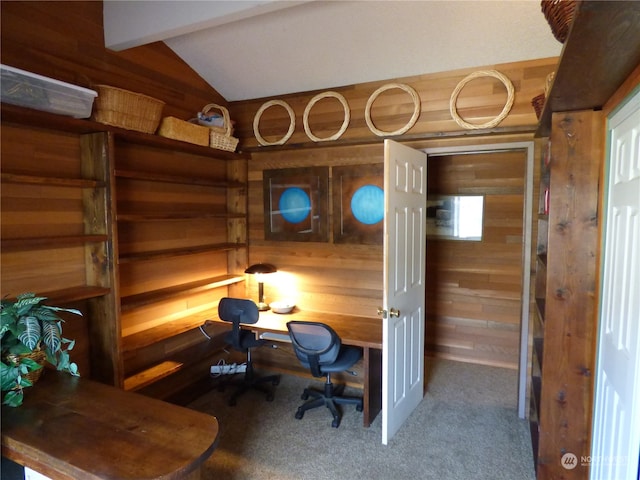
(540, 293)
(150, 231)
(598, 56)
(601, 51)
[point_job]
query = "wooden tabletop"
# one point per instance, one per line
(352, 330)
(70, 427)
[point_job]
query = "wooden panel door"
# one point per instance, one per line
(405, 240)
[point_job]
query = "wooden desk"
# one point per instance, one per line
(70, 428)
(358, 331)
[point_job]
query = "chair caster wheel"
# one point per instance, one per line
(335, 423)
(359, 408)
(304, 396)
(299, 414)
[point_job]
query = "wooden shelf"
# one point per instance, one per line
(50, 181)
(174, 252)
(152, 177)
(46, 243)
(542, 259)
(597, 57)
(166, 330)
(153, 217)
(135, 301)
(51, 121)
(202, 187)
(150, 375)
(538, 348)
(536, 385)
(72, 294)
(197, 359)
(540, 304)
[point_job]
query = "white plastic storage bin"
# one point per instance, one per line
(27, 89)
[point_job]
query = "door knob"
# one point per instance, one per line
(393, 312)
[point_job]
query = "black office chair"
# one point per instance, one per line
(239, 311)
(318, 347)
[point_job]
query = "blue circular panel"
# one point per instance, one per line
(367, 204)
(294, 205)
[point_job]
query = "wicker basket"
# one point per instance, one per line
(205, 112)
(221, 138)
(38, 356)
(538, 104)
(172, 127)
(125, 109)
(559, 14)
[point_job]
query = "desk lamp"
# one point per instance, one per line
(260, 269)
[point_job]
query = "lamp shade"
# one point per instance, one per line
(261, 268)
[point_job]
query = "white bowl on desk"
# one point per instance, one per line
(282, 306)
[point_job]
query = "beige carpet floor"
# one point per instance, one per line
(466, 428)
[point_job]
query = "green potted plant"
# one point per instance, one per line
(31, 333)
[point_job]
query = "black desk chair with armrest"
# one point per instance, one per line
(239, 311)
(318, 347)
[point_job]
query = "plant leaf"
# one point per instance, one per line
(73, 370)
(13, 398)
(31, 333)
(25, 302)
(8, 376)
(60, 309)
(51, 336)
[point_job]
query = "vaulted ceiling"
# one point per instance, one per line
(253, 49)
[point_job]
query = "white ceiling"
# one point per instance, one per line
(254, 49)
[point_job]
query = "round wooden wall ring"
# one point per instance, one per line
(256, 122)
(481, 73)
(345, 122)
(414, 117)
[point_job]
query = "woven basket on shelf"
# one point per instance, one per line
(38, 356)
(538, 104)
(559, 14)
(125, 109)
(172, 127)
(221, 137)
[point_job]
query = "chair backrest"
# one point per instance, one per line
(315, 344)
(237, 311)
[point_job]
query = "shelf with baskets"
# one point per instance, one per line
(144, 233)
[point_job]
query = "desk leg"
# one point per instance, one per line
(372, 391)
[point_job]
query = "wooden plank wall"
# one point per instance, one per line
(474, 288)
(65, 41)
(475, 313)
(319, 276)
(480, 101)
